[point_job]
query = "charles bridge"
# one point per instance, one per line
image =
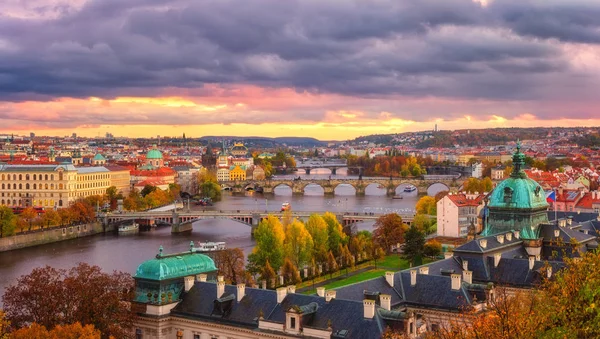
(329, 185)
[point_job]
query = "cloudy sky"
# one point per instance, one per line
(330, 69)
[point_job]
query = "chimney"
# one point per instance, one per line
(291, 289)
(369, 308)
(389, 277)
(188, 282)
(220, 278)
(201, 277)
(549, 272)
(424, 270)
(281, 293)
(517, 234)
(321, 292)
(447, 255)
(497, 257)
(531, 262)
(220, 288)
(508, 236)
(483, 243)
(569, 220)
(538, 258)
(385, 300)
(241, 291)
(465, 265)
(500, 238)
(468, 277)
(413, 277)
(455, 281)
(556, 233)
(264, 284)
(330, 295)
(562, 223)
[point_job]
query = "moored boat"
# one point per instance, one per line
(131, 228)
(285, 206)
(209, 246)
(410, 188)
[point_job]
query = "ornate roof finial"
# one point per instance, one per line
(191, 246)
(518, 145)
(518, 163)
(160, 252)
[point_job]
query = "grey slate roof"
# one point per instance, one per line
(433, 291)
(356, 291)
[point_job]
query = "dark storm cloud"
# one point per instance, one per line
(449, 48)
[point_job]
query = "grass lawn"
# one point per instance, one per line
(374, 273)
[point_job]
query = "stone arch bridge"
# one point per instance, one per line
(329, 185)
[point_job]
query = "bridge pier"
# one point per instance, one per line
(390, 191)
(333, 170)
(328, 190)
(307, 171)
(238, 190)
(181, 228)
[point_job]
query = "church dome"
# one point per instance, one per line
(175, 266)
(154, 154)
(99, 157)
(518, 193)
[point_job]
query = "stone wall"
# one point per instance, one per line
(49, 236)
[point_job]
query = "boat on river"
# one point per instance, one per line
(209, 246)
(285, 206)
(397, 197)
(129, 228)
(410, 188)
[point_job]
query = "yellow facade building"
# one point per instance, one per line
(237, 173)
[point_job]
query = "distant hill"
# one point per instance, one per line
(269, 142)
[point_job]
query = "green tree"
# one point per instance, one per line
(378, 254)
(317, 227)
(424, 223)
(111, 193)
(432, 249)
(335, 233)
(269, 247)
(414, 246)
(298, 244)
(389, 231)
(211, 189)
(8, 222)
(426, 205)
(147, 190)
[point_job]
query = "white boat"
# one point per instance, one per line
(132, 228)
(410, 188)
(210, 246)
(285, 206)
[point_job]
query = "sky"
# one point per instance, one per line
(332, 70)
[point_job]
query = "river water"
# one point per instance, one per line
(126, 252)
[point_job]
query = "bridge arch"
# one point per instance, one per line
(400, 190)
(349, 188)
(282, 188)
(436, 187)
(314, 189)
(375, 188)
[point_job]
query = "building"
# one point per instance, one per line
(239, 150)
(92, 181)
(258, 173)
(120, 177)
(456, 212)
(237, 173)
(154, 158)
(187, 178)
(222, 174)
(177, 296)
(99, 160)
(497, 173)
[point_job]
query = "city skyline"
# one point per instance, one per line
(333, 70)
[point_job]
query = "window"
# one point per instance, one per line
(196, 336)
(34, 177)
(138, 333)
(293, 322)
(435, 327)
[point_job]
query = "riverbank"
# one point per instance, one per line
(48, 236)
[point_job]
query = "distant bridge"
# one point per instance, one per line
(181, 221)
(329, 185)
(331, 165)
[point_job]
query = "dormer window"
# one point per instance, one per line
(508, 194)
(293, 323)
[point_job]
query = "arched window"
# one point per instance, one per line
(20, 186)
(45, 176)
(26, 176)
(60, 203)
(34, 177)
(46, 186)
(2, 201)
(2, 186)
(34, 186)
(60, 175)
(51, 186)
(20, 177)
(60, 186)
(27, 186)
(14, 177)
(14, 202)
(51, 176)
(3, 177)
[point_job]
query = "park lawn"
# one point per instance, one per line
(394, 262)
(374, 273)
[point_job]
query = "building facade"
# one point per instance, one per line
(456, 212)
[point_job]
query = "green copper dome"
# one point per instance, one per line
(99, 157)
(175, 266)
(154, 154)
(517, 203)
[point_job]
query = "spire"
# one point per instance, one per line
(518, 163)
(160, 252)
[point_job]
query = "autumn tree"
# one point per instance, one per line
(230, 263)
(4, 326)
(28, 215)
(8, 222)
(432, 249)
(298, 244)
(389, 230)
(269, 247)
(331, 264)
(378, 254)
(50, 218)
(211, 190)
(335, 233)
(74, 331)
(290, 273)
(317, 227)
(82, 211)
(426, 205)
(84, 294)
(268, 274)
(424, 223)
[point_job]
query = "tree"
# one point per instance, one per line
(432, 249)
(74, 331)
(51, 218)
(317, 227)
(230, 263)
(440, 195)
(335, 233)
(331, 264)
(147, 190)
(378, 253)
(111, 193)
(268, 274)
(389, 230)
(82, 212)
(4, 326)
(426, 205)
(211, 189)
(290, 273)
(298, 244)
(84, 294)
(414, 246)
(28, 215)
(269, 238)
(424, 223)
(8, 222)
